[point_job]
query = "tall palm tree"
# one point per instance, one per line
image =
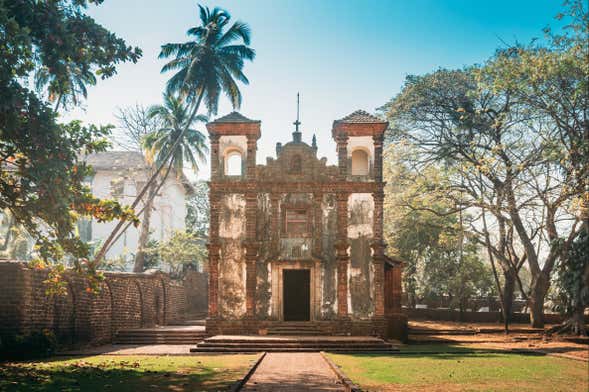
(209, 64)
(68, 87)
(173, 116)
(212, 62)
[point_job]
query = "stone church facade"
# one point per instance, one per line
(297, 241)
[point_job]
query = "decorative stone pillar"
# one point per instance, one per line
(378, 254)
(378, 142)
(275, 222)
(342, 155)
(214, 249)
(251, 157)
(215, 164)
(251, 249)
(342, 257)
(318, 212)
(251, 255)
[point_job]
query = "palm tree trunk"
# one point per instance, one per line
(144, 234)
(102, 252)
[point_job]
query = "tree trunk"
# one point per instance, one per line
(508, 290)
(538, 290)
(577, 321)
(144, 234)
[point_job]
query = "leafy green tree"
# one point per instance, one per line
(572, 281)
(208, 65)
(41, 178)
(551, 83)
(424, 228)
(492, 146)
(181, 251)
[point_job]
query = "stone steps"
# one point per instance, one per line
(417, 331)
(159, 336)
(293, 344)
(296, 328)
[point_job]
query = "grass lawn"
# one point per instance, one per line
(126, 373)
(460, 371)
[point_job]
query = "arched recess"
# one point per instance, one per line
(360, 162)
(233, 162)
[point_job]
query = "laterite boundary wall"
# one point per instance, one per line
(125, 300)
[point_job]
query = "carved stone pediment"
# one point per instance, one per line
(297, 162)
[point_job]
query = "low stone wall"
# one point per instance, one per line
(125, 300)
(475, 317)
(197, 287)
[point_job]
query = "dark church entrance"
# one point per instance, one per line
(296, 294)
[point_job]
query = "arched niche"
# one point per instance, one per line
(233, 162)
(360, 162)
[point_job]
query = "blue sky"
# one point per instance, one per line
(340, 55)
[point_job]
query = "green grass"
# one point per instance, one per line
(126, 373)
(461, 371)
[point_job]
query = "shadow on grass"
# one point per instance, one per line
(109, 376)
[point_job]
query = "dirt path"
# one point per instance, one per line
(293, 372)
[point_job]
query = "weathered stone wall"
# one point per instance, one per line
(360, 274)
(329, 262)
(231, 293)
(257, 229)
(125, 300)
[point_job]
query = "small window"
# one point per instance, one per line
(233, 164)
(296, 166)
(360, 165)
(296, 221)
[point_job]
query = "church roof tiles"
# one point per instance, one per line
(359, 117)
(235, 117)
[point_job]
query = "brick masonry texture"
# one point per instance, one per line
(125, 300)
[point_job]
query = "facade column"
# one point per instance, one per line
(318, 212)
(214, 248)
(275, 222)
(252, 142)
(378, 254)
(215, 164)
(214, 255)
(251, 255)
(342, 256)
(342, 155)
(251, 251)
(378, 142)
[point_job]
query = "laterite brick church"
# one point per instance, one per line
(296, 243)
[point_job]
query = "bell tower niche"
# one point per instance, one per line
(234, 139)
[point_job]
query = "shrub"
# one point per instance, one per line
(33, 345)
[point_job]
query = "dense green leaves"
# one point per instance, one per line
(174, 120)
(512, 136)
(423, 228)
(212, 63)
(41, 176)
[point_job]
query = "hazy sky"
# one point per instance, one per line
(340, 55)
